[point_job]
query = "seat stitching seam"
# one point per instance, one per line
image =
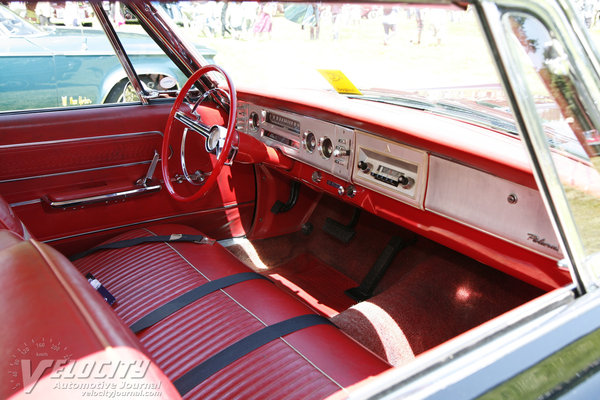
(221, 290)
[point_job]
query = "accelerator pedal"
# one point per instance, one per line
(343, 233)
(371, 280)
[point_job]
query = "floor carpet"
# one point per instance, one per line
(428, 295)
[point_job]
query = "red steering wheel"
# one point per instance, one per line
(219, 140)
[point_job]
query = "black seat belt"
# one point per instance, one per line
(244, 346)
(178, 237)
(189, 297)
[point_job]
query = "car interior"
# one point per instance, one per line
(261, 244)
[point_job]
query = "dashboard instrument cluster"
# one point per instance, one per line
(321, 144)
(351, 155)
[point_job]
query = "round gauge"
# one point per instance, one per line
(253, 121)
(325, 147)
(309, 141)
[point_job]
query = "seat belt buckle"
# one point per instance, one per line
(108, 297)
(179, 237)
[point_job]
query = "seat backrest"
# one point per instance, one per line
(8, 220)
(58, 336)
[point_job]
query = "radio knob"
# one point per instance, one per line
(364, 166)
(253, 121)
(406, 182)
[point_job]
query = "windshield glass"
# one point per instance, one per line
(383, 52)
(368, 52)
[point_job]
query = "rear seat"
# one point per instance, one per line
(313, 362)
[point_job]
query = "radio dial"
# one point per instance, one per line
(409, 182)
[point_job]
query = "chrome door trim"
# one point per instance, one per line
(102, 198)
(512, 74)
(79, 139)
(183, 54)
(75, 171)
(434, 371)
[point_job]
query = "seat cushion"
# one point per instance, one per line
(311, 363)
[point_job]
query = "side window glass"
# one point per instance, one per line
(570, 128)
(53, 55)
(56, 55)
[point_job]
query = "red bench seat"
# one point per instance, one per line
(47, 301)
(311, 363)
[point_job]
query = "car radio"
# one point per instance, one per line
(388, 175)
(390, 168)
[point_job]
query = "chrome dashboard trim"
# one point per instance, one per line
(412, 162)
(291, 143)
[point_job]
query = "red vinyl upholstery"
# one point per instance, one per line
(8, 220)
(53, 319)
(44, 299)
(311, 363)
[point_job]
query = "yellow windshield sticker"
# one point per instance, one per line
(339, 81)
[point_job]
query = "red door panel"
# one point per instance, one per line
(80, 153)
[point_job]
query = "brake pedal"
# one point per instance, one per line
(343, 233)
